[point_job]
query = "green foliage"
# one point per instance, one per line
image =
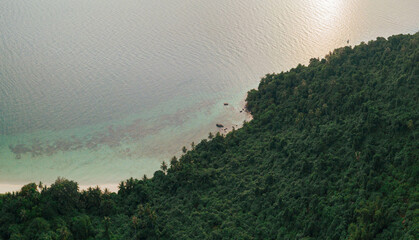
(81, 227)
(63, 196)
(37, 229)
(332, 153)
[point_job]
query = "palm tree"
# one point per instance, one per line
(163, 167)
(173, 162)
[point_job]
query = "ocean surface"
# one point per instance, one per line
(98, 91)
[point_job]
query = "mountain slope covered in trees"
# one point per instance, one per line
(332, 153)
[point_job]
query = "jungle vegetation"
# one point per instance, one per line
(332, 152)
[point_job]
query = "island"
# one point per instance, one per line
(331, 153)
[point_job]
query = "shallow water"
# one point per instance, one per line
(100, 90)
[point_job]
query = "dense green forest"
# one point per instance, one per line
(332, 153)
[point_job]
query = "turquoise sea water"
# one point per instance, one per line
(98, 91)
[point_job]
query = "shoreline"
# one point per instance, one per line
(239, 107)
(11, 187)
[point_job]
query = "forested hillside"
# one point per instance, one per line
(332, 153)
